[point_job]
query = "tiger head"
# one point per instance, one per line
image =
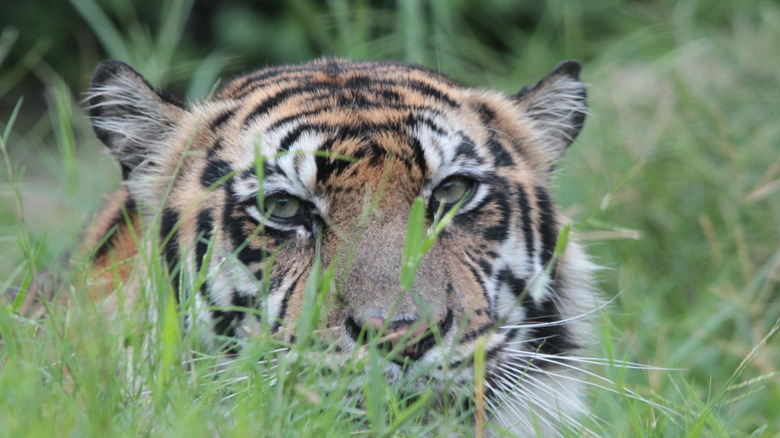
(324, 162)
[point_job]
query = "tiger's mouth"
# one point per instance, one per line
(409, 352)
(439, 361)
(402, 341)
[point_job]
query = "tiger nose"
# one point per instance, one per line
(399, 330)
(409, 338)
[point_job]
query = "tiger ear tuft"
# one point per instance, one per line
(129, 116)
(557, 106)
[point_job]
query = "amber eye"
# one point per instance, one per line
(453, 190)
(283, 206)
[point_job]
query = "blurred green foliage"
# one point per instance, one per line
(476, 36)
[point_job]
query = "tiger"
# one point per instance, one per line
(290, 166)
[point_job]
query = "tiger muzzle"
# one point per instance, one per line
(403, 339)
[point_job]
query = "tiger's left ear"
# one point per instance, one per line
(129, 116)
(556, 106)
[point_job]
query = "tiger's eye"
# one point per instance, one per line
(453, 190)
(283, 206)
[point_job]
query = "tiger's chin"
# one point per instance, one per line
(523, 393)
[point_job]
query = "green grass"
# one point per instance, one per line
(674, 184)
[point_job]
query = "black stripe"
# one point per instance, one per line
(270, 168)
(548, 224)
(410, 118)
(418, 155)
(516, 285)
(277, 99)
(486, 114)
(554, 338)
(244, 301)
(214, 172)
(479, 331)
(249, 255)
(287, 141)
(224, 321)
(204, 292)
(481, 283)
(428, 90)
(527, 224)
(233, 226)
(334, 89)
(214, 149)
(489, 355)
(224, 117)
(359, 131)
(292, 73)
(467, 150)
(501, 156)
(266, 76)
(227, 321)
(297, 116)
(169, 236)
(119, 220)
(259, 273)
(486, 267)
(375, 87)
(501, 231)
(496, 232)
(332, 68)
(275, 283)
(328, 167)
(205, 224)
(415, 119)
(389, 98)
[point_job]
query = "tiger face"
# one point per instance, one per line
(325, 162)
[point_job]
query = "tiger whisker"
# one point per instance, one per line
(589, 360)
(511, 388)
(564, 321)
(523, 375)
(520, 418)
(626, 391)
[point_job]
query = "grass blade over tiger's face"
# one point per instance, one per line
(427, 202)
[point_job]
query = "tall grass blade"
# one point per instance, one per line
(104, 29)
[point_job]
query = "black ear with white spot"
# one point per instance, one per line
(557, 106)
(129, 116)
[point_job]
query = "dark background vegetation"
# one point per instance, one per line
(501, 37)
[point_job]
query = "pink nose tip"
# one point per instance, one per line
(399, 330)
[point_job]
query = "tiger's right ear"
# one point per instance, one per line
(129, 116)
(556, 106)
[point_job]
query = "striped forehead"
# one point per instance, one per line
(388, 81)
(311, 123)
(312, 150)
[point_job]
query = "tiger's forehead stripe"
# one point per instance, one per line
(327, 70)
(371, 93)
(357, 87)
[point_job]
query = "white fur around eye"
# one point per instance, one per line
(254, 213)
(245, 189)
